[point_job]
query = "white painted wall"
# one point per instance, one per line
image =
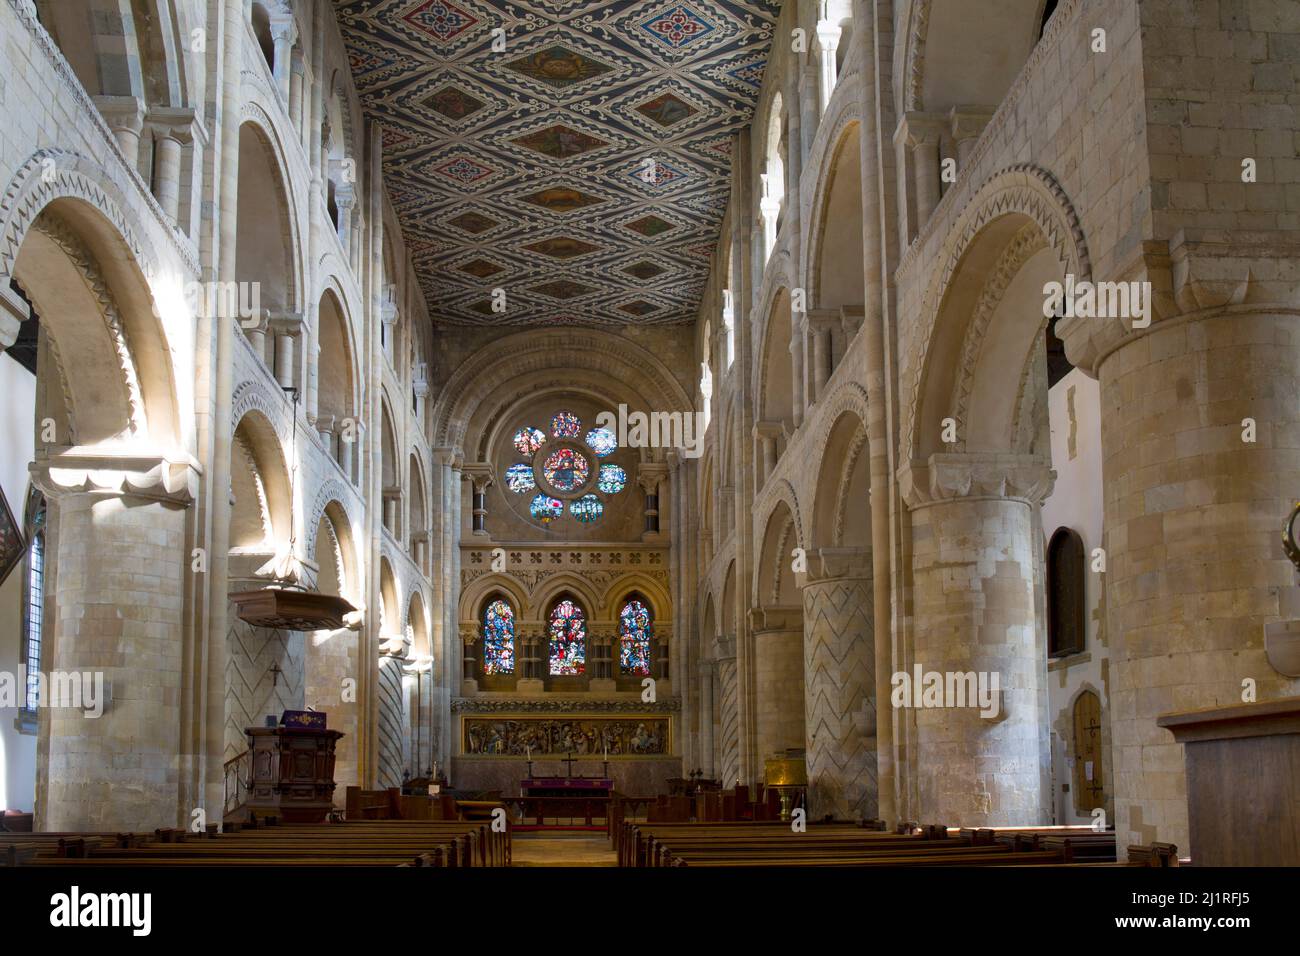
(17, 447)
(1074, 410)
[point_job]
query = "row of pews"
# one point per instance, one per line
(750, 844)
(268, 842)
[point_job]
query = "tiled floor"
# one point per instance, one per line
(561, 849)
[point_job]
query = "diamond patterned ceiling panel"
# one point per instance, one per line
(583, 169)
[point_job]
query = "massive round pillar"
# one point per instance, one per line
(839, 685)
(112, 732)
(975, 687)
(778, 679)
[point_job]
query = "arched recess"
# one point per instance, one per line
(337, 380)
(267, 235)
(333, 656)
(390, 611)
(419, 513)
(961, 53)
(1066, 594)
(419, 697)
(841, 516)
(777, 623)
(984, 366)
(390, 485)
(980, 358)
(262, 501)
(836, 254)
(774, 577)
(776, 386)
(108, 367)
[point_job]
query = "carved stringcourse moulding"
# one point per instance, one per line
(563, 705)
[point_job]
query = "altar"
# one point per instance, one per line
(568, 785)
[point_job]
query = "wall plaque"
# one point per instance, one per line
(639, 735)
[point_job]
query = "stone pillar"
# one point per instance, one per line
(839, 676)
(706, 718)
(796, 373)
(1193, 507)
(769, 207)
(346, 446)
(479, 475)
(649, 476)
(125, 117)
(172, 130)
(766, 434)
(820, 324)
(778, 679)
(828, 41)
(973, 559)
(602, 654)
(921, 133)
(121, 561)
(284, 30)
(345, 199)
(469, 661)
(392, 729)
(966, 125)
(296, 73)
(728, 705)
(287, 328)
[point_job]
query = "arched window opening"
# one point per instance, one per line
(568, 634)
(498, 638)
(261, 21)
(1065, 594)
(635, 633)
(1048, 9)
(34, 603)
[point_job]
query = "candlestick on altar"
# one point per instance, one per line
(606, 773)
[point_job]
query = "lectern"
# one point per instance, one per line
(292, 774)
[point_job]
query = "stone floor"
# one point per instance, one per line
(557, 848)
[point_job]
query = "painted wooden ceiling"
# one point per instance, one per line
(583, 169)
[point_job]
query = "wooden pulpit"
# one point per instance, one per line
(1243, 782)
(292, 772)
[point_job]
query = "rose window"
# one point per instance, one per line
(562, 471)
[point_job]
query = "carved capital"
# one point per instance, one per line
(479, 474)
(649, 476)
(762, 619)
(837, 564)
(170, 477)
(13, 310)
(920, 129)
(949, 477)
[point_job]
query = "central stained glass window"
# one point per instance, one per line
(498, 638)
(568, 630)
(566, 469)
(560, 466)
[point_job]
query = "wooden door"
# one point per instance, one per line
(1088, 790)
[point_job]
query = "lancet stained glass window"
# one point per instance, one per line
(568, 631)
(498, 638)
(635, 631)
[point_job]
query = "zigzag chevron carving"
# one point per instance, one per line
(391, 723)
(839, 670)
(728, 725)
(252, 690)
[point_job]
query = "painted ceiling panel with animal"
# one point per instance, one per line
(584, 168)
